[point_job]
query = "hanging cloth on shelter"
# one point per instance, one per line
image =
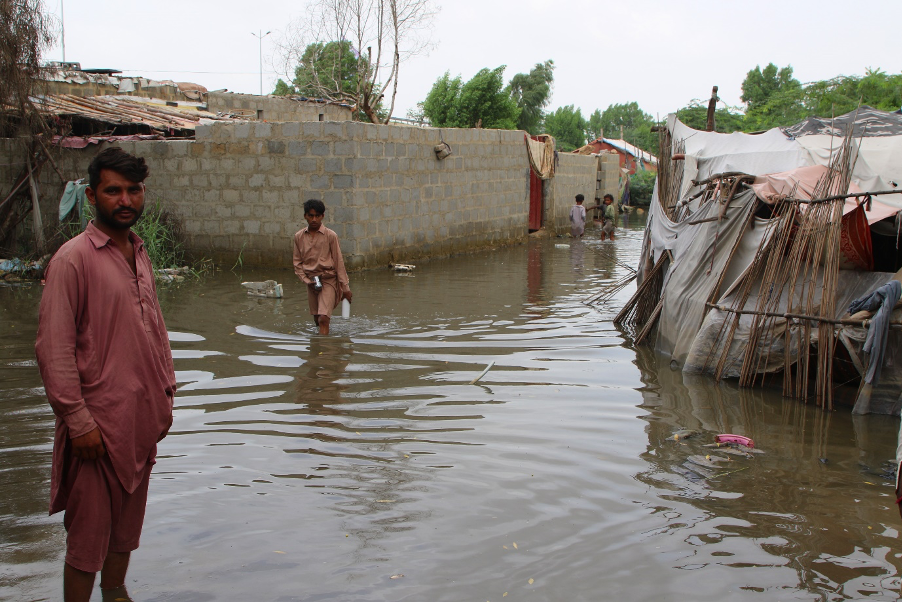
(882, 301)
(73, 196)
(625, 191)
(541, 155)
(857, 251)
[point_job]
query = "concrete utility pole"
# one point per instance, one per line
(260, 37)
(63, 24)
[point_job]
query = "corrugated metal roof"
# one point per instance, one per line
(128, 110)
(632, 150)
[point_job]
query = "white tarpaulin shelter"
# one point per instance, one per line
(715, 243)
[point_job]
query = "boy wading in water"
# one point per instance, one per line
(104, 356)
(578, 217)
(319, 265)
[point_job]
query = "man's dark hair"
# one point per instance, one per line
(115, 159)
(315, 205)
(609, 196)
(580, 198)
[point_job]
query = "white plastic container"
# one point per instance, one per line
(345, 309)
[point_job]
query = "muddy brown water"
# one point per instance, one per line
(363, 466)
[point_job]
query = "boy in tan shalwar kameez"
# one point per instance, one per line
(317, 255)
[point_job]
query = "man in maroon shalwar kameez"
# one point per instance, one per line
(104, 356)
(318, 263)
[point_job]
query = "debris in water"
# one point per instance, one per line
(706, 461)
(684, 434)
(267, 288)
(398, 576)
(738, 439)
(487, 368)
(402, 267)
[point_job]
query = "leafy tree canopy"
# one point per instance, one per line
(726, 120)
(842, 94)
(482, 101)
(635, 122)
(568, 127)
(440, 104)
(326, 70)
(532, 92)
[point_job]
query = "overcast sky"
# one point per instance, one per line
(659, 53)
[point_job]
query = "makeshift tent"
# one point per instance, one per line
(751, 262)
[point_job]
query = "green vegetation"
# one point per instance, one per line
(532, 91)
(484, 101)
(771, 96)
(161, 233)
(774, 98)
(567, 126)
(642, 184)
(628, 118)
(325, 70)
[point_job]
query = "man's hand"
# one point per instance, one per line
(346, 295)
(89, 446)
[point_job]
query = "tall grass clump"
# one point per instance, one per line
(161, 234)
(160, 230)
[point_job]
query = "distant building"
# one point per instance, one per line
(71, 79)
(631, 157)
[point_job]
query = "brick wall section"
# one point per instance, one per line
(240, 188)
(275, 108)
(574, 174)
(608, 175)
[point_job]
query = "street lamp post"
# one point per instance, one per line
(260, 37)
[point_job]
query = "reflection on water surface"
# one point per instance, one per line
(364, 466)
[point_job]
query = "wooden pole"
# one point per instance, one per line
(793, 316)
(36, 210)
(712, 105)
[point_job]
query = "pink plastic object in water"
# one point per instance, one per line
(738, 439)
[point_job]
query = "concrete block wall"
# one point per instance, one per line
(239, 188)
(387, 196)
(276, 108)
(574, 174)
(608, 175)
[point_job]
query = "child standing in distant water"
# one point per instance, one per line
(319, 265)
(578, 217)
(610, 217)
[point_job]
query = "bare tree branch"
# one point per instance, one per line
(380, 34)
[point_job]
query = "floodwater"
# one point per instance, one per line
(364, 466)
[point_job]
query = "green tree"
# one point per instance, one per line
(594, 129)
(842, 94)
(325, 70)
(773, 98)
(636, 125)
(726, 119)
(532, 91)
(567, 126)
(483, 101)
(283, 89)
(440, 106)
